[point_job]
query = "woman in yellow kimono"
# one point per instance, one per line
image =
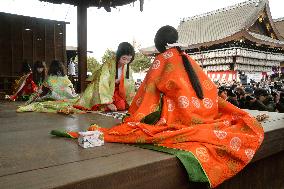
(212, 138)
(112, 87)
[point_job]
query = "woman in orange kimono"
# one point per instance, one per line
(213, 139)
(193, 120)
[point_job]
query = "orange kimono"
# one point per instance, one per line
(213, 139)
(221, 137)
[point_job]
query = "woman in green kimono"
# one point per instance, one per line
(56, 92)
(112, 87)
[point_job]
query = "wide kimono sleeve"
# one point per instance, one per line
(107, 82)
(147, 98)
(101, 89)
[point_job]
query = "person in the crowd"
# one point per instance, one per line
(243, 78)
(232, 98)
(222, 92)
(72, 67)
(113, 87)
(39, 72)
(240, 92)
(57, 88)
(280, 103)
(264, 101)
(177, 110)
(25, 86)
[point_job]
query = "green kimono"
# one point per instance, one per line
(61, 95)
(101, 89)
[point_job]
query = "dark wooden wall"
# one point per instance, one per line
(28, 39)
(45, 41)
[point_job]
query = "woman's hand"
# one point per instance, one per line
(112, 107)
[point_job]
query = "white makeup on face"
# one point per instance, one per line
(125, 59)
(39, 70)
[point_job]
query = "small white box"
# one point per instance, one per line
(90, 139)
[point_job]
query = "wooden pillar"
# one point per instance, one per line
(64, 43)
(45, 58)
(33, 42)
(12, 46)
(54, 42)
(82, 45)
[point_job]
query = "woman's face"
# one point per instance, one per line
(125, 59)
(39, 70)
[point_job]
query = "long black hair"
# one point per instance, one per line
(169, 35)
(56, 68)
(124, 48)
(26, 68)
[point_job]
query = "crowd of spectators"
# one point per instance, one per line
(262, 96)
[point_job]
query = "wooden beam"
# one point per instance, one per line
(82, 45)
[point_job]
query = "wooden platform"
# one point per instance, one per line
(31, 158)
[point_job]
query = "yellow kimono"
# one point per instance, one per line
(101, 90)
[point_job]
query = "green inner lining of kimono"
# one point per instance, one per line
(190, 163)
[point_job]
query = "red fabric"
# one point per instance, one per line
(121, 87)
(29, 87)
(118, 100)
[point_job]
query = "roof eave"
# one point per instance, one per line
(235, 36)
(264, 42)
(278, 35)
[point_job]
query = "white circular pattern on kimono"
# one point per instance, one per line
(171, 105)
(207, 102)
(167, 55)
(220, 134)
(133, 123)
(235, 143)
(249, 153)
(139, 101)
(183, 102)
(195, 102)
(226, 122)
(156, 64)
(202, 154)
(235, 116)
(162, 121)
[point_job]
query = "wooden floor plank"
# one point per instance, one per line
(32, 158)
